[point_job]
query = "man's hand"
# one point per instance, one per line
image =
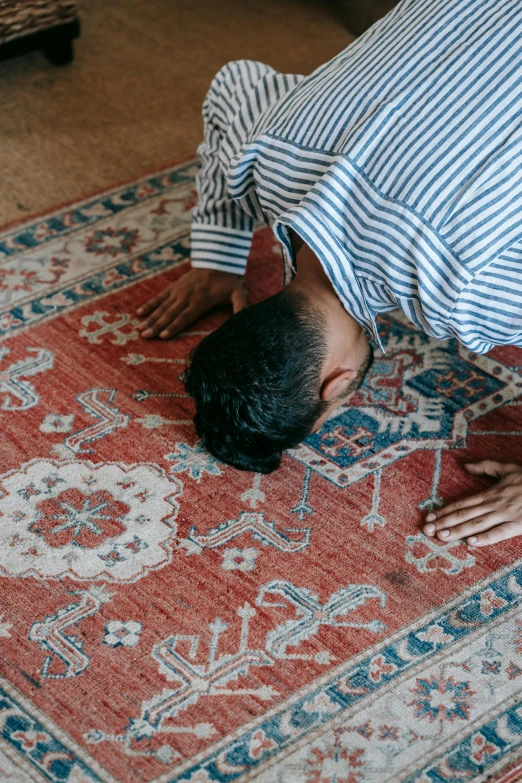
(187, 299)
(491, 516)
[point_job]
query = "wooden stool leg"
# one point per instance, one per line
(60, 51)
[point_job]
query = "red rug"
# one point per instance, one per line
(167, 618)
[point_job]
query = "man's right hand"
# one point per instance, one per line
(187, 299)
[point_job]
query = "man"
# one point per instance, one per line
(392, 178)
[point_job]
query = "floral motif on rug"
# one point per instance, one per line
(167, 619)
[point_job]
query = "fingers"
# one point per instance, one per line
(454, 513)
(148, 327)
(490, 468)
(239, 299)
(184, 319)
(498, 533)
(152, 304)
(164, 302)
(162, 318)
(484, 520)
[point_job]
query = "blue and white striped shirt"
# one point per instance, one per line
(399, 162)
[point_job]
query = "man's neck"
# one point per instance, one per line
(347, 342)
(310, 278)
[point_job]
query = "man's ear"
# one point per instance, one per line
(336, 384)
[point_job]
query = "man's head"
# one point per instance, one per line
(272, 374)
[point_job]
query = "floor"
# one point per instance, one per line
(131, 101)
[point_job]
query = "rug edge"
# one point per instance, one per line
(98, 192)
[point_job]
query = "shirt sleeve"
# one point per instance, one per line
(488, 311)
(221, 232)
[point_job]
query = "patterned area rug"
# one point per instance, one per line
(166, 618)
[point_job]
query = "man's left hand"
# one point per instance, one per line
(486, 518)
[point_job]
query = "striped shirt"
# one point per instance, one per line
(399, 162)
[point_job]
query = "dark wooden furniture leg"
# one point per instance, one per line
(61, 51)
(55, 42)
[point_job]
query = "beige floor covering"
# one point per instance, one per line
(131, 101)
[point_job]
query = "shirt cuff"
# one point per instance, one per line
(217, 247)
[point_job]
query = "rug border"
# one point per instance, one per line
(239, 734)
(56, 731)
(506, 774)
(20, 764)
(27, 313)
(173, 775)
(337, 720)
(98, 192)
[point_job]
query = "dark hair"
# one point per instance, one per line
(256, 382)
